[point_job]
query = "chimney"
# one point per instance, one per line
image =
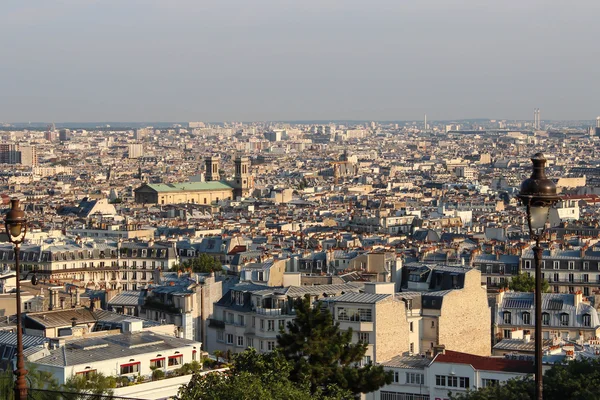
(578, 298)
(439, 349)
(526, 338)
(62, 303)
(77, 297)
(52, 304)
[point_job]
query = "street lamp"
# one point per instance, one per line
(16, 228)
(538, 195)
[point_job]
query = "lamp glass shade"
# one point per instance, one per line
(15, 229)
(539, 216)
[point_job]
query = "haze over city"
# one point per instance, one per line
(78, 60)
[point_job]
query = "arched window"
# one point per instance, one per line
(564, 319)
(526, 318)
(507, 317)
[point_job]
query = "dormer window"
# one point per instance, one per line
(545, 318)
(507, 317)
(564, 319)
(526, 318)
(586, 320)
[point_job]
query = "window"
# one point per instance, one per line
(254, 322)
(220, 336)
(545, 318)
(433, 324)
(412, 327)
(571, 264)
(414, 378)
(489, 382)
(396, 377)
(270, 345)
(281, 324)
(440, 380)
(556, 264)
(271, 325)
(229, 338)
(412, 347)
(586, 320)
(463, 382)
(87, 374)
(262, 324)
(354, 314)
(507, 317)
(157, 363)
(240, 341)
(564, 319)
(527, 264)
(363, 337)
(556, 278)
(366, 360)
(175, 360)
(586, 278)
(526, 318)
(543, 264)
(132, 368)
(586, 265)
(507, 334)
(571, 277)
(452, 381)
(249, 342)
(241, 321)
(402, 396)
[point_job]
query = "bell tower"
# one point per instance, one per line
(212, 168)
(242, 181)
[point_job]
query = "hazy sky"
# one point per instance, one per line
(200, 60)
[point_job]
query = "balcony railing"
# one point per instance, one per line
(274, 311)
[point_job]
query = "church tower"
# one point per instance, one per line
(242, 182)
(212, 168)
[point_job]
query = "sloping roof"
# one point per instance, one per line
(52, 319)
(365, 298)
(188, 186)
(485, 363)
(128, 298)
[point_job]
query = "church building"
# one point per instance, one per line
(212, 190)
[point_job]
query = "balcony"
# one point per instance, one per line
(269, 311)
(573, 281)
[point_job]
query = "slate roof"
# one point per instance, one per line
(89, 350)
(364, 298)
(407, 362)
(188, 186)
(57, 318)
(128, 298)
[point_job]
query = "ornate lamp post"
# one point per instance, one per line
(538, 195)
(16, 228)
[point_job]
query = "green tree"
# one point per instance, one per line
(92, 383)
(575, 380)
(525, 283)
(324, 356)
(254, 376)
(203, 264)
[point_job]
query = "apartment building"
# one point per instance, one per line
(564, 316)
(496, 269)
(250, 315)
(446, 305)
(567, 270)
(108, 265)
(424, 378)
(376, 317)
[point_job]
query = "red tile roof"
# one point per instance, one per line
(486, 363)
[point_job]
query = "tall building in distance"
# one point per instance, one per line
(597, 126)
(135, 150)
(242, 183)
(536, 119)
(18, 154)
(64, 135)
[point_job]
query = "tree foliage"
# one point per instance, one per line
(526, 283)
(324, 356)
(253, 376)
(94, 383)
(203, 264)
(578, 379)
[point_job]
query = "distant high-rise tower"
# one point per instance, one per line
(212, 168)
(536, 119)
(425, 123)
(597, 126)
(242, 182)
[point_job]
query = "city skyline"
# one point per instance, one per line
(163, 61)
